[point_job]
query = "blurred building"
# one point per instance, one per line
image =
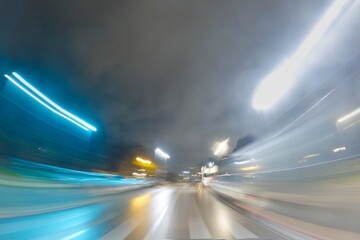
(130, 167)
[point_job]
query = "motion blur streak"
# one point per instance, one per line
(143, 160)
(318, 31)
(70, 115)
(350, 115)
(309, 179)
(43, 202)
(297, 176)
(72, 236)
(64, 204)
(277, 83)
(42, 103)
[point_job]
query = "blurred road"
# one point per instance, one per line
(47, 202)
(182, 211)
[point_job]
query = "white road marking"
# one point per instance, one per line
(156, 224)
(154, 229)
(197, 227)
(123, 230)
(238, 231)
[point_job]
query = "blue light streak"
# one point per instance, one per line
(22, 80)
(43, 103)
(72, 236)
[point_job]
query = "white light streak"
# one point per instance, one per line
(348, 116)
(318, 32)
(312, 155)
(275, 85)
(339, 149)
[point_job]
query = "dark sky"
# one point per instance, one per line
(173, 74)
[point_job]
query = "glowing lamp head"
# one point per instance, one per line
(161, 153)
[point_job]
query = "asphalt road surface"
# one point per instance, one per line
(181, 211)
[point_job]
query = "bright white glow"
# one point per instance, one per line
(161, 153)
(213, 169)
(221, 148)
(42, 103)
(186, 172)
(143, 160)
(211, 164)
(275, 86)
(339, 149)
(49, 101)
(312, 155)
(350, 115)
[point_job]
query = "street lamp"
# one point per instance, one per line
(221, 147)
(163, 155)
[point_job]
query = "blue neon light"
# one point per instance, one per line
(50, 104)
(22, 80)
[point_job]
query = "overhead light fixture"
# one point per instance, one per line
(221, 148)
(161, 153)
(139, 159)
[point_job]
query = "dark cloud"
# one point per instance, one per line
(175, 74)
